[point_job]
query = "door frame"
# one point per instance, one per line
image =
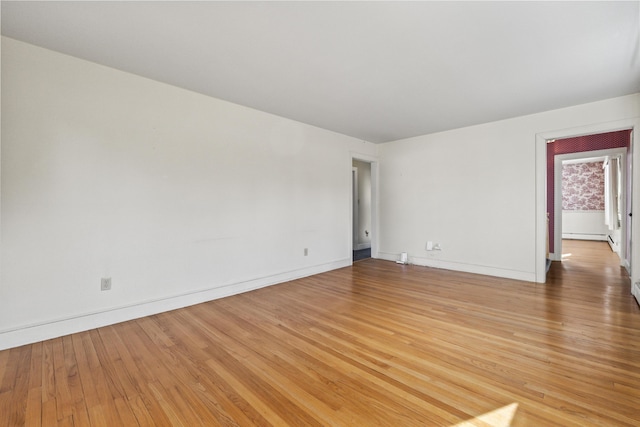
(355, 215)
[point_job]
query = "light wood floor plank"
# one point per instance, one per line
(373, 344)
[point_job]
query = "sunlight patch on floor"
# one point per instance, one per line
(566, 255)
(501, 417)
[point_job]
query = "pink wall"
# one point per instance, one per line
(602, 141)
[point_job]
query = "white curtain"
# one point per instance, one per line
(611, 193)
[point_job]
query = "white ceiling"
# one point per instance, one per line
(378, 71)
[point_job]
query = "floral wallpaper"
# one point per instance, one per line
(583, 187)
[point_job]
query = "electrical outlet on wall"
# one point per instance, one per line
(429, 245)
(105, 284)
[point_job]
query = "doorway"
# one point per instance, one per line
(608, 152)
(364, 207)
(542, 190)
(361, 192)
(600, 213)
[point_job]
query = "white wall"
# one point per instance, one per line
(178, 197)
(584, 225)
(476, 190)
(364, 196)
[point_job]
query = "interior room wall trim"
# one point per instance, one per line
(27, 334)
(464, 267)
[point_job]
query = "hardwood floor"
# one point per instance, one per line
(375, 344)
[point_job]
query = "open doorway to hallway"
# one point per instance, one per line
(593, 199)
(589, 191)
(362, 209)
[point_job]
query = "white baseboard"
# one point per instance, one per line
(578, 236)
(467, 268)
(28, 334)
